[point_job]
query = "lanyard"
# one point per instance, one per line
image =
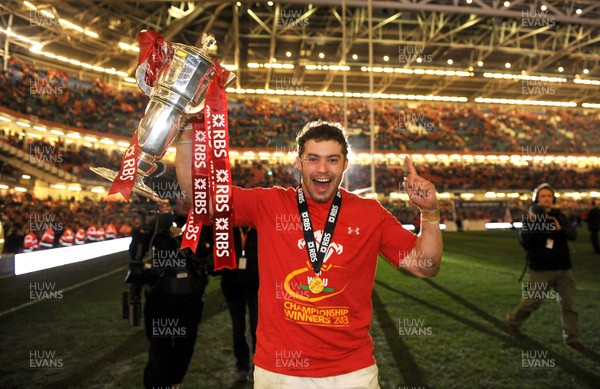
(244, 236)
(317, 256)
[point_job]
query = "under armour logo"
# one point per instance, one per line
(353, 230)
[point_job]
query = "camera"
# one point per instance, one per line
(141, 273)
(536, 209)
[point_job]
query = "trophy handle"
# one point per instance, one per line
(194, 109)
(140, 74)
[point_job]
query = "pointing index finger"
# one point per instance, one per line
(409, 165)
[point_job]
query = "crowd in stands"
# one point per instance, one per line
(71, 158)
(53, 96)
(477, 176)
(262, 123)
(452, 177)
(8, 174)
(28, 219)
(448, 177)
(31, 223)
(265, 123)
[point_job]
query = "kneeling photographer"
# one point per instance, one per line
(176, 280)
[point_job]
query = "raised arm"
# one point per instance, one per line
(183, 160)
(429, 241)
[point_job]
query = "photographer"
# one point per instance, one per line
(174, 298)
(544, 236)
(593, 220)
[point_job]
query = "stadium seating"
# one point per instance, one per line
(259, 123)
(448, 177)
(264, 123)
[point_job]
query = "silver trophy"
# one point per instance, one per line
(178, 93)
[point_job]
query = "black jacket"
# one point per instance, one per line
(594, 219)
(547, 248)
(165, 264)
(248, 277)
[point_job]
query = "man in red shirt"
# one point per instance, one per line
(318, 249)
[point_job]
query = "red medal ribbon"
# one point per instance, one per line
(125, 181)
(217, 132)
(198, 214)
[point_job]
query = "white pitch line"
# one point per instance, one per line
(65, 290)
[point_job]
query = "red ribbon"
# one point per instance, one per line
(198, 214)
(152, 51)
(148, 40)
(125, 181)
(217, 132)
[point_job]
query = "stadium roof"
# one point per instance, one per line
(419, 37)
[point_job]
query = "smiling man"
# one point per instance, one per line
(317, 250)
(322, 160)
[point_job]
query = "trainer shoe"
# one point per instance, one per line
(512, 328)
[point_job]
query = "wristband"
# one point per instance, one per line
(435, 210)
(435, 213)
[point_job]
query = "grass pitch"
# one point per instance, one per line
(444, 332)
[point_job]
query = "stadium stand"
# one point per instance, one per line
(452, 176)
(259, 123)
(264, 123)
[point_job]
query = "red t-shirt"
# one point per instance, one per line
(317, 335)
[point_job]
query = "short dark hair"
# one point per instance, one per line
(318, 131)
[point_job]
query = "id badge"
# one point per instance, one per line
(549, 243)
(242, 263)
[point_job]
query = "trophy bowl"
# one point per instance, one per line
(179, 92)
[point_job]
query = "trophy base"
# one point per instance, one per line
(139, 187)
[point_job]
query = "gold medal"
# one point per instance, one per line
(316, 285)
